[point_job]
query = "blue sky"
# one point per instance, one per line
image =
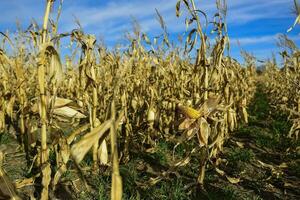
(254, 23)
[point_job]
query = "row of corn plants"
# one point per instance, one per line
(283, 84)
(98, 98)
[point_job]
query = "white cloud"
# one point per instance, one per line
(116, 13)
(245, 11)
(266, 39)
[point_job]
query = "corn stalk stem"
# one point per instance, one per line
(42, 85)
(46, 18)
(22, 124)
(43, 115)
(94, 116)
(201, 60)
(116, 189)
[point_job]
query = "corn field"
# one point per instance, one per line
(95, 111)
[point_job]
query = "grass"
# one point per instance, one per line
(238, 154)
(267, 126)
(267, 129)
(294, 168)
(5, 138)
(226, 193)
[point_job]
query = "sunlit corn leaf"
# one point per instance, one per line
(68, 112)
(149, 183)
(117, 185)
(46, 179)
(151, 115)
(245, 115)
(103, 153)
(233, 180)
(231, 119)
(80, 149)
(48, 54)
(183, 162)
(25, 182)
(61, 102)
(219, 171)
(2, 121)
(204, 132)
(10, 106)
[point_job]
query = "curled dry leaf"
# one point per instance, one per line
(204, 132)
(233, 180)
(183, 162)
(186, 124)
(62, 157)
(103, 153)
(7, 189)
(48, 54)
(79, 149)
(68, 112)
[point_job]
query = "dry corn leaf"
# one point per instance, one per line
(151, 115)
(62, 158)
(48, 54)
(204, 132)
(78, 131)
(60, 171)
(149, 183)
(2, 121)
(231, 119)
(186, 124)
(68, 112)
(103, 153)
(10, 106)
(240, 144)
(183, 162)
(25, 182)
(46, 179)
(61, 102)
(151, 150)
(190, 133)
(283, 165)
(219, 171)
(266, 165)
(79, 149)
(233, 180)
(212, 103)
(245, 115)
(117, 188)
(7, 189)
